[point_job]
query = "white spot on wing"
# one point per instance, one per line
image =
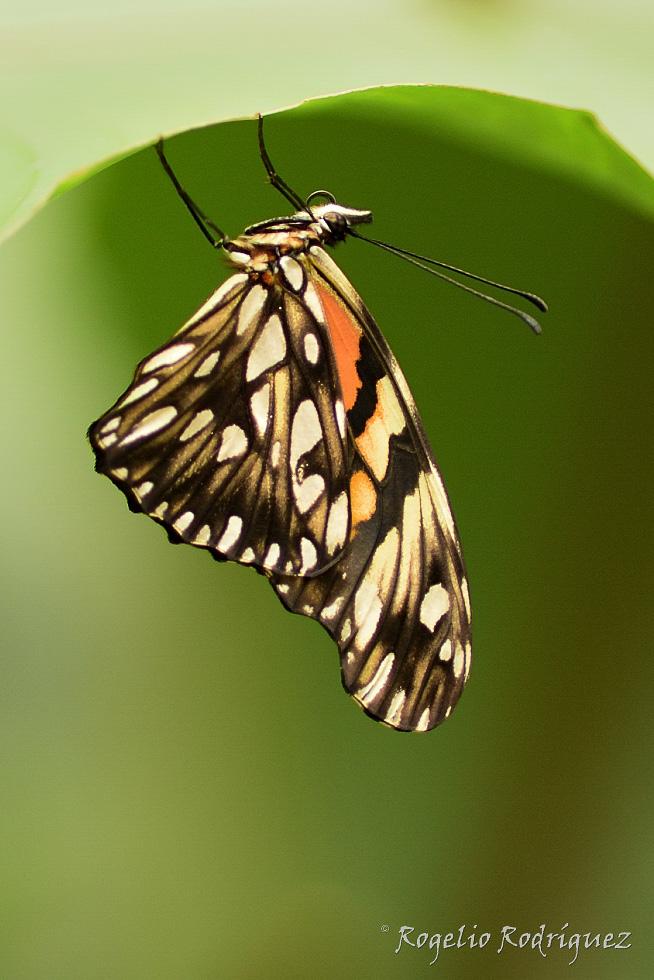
(203, 535)
(260, 405)
(143, 490)
(198, 422)
(161, 510)
(433, 607)
(313, 302)
(305, 432)
(409, 574)
(309, 555)
(121, 473)
(292, 271)
(442, 503)
(308, 491)
(367, 610)
(167, 356)
(468, 656)
(457, 663)
(139, 392)
(445, 653)
(111, 425)
(311, 349)
(272, 556)
(376, 685)
(368, 603)
(331, 612)
(394, 714)
(269, 349)
(250, 308)
(423, 723)
(274, 456)
(151, 423)
(184, 521)
(234, 443)
(208, 364)
(337, 524)
(247, 557)
(231, 533)
(340, 418)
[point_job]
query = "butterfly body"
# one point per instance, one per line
(276, 429)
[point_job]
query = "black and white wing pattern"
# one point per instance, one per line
(230, 435)
(397, 600)
(276, 429)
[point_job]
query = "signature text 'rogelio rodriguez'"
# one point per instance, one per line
(541, 940)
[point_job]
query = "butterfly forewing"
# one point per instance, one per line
(229, 435)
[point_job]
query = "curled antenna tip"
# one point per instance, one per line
(537, 301)
(534, 324)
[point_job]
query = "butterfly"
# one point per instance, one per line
(276, 429)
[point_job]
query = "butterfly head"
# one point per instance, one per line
(328, 222)
(333, 219)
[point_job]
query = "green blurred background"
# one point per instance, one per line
(188, 791)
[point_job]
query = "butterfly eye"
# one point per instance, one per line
(335, 219)
(336, 222)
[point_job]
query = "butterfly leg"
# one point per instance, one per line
(274, 177)
(205, 224)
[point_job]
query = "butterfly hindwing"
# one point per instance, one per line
(396, 602)
(230, 437)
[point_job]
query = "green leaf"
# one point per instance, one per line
(560, 141)
(189, 793)
(89, 84)
(566, 142)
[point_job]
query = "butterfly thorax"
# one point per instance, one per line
(259, 249)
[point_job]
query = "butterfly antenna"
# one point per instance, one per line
(202, 221)
(424, 262)
(278, 182)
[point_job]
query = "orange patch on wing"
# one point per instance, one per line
(345, 336)
(363, 498)
(386, 420)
